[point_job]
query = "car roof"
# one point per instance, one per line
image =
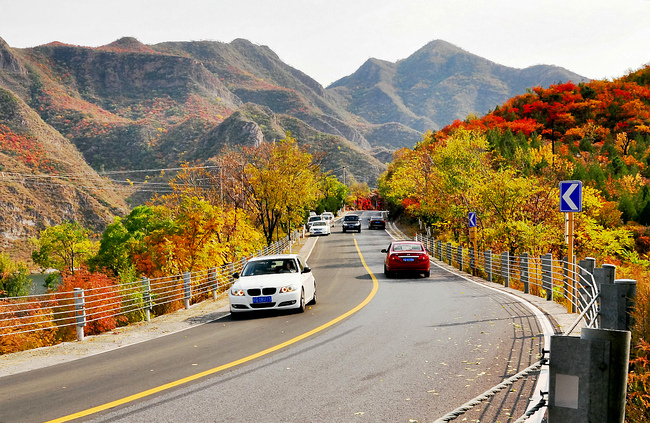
(405, 242)
(274, 257)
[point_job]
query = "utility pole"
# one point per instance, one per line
(344, 176)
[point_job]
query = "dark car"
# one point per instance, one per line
(351, 222)
(377, 222)
(406, 257)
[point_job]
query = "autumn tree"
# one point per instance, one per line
(281, 183)
(64, 247)
(122, 239)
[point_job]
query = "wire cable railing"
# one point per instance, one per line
(53, 311)
(566, 282)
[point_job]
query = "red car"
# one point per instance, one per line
(406, 256)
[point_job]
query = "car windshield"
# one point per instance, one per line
(407, 247)
(315, 218)
(319, 223)
(266, 267)
(376, 218)
(351, 217)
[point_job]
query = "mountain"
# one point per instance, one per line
(436, 85)
(41, 171)
(127, 106)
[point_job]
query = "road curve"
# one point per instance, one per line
(420, 348)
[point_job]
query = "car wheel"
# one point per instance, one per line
(235, 316)
(427, 274)
(343, 230)
(313, 300)
(387, 273)
(301, 306)
(359, 230)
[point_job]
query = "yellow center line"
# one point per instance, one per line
(214, 370)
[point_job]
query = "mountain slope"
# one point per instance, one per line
(436, 85)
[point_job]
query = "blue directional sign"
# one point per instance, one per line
(570, 196)
(472, 219)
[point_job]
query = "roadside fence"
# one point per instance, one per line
(93, 308)
(601, 303)
(574, 285)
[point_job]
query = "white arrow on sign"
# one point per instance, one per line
(567, 196)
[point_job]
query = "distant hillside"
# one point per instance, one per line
(253, 124)
(44, 179)
(127, 105)
(601, 127)
(436, 85)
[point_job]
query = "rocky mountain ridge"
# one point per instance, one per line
(127, 105)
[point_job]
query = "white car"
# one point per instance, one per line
(313, 219)
(278, 282)
(320, 227)
(329, 217)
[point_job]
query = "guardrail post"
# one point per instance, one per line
(547, 275)
(439, 250)
(583, 296)
(604, 275)
(588, 376)
(212, 276)
(80, 312)
(472, 261)
(565, 277)
(617, 304)
(488, 264)
(505, 268)
(146, 298)
(449, 260)
(525, 279)
(459, 257)
(187, 289)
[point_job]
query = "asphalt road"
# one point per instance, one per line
(417, 350)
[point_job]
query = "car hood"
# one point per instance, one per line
(277, 280)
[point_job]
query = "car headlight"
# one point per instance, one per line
(237, 292)
(288, 288)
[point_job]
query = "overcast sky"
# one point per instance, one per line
(330, 39)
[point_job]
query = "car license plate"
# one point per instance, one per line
(408, 259)
(258, 300)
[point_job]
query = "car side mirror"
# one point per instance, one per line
(306, 269)
(384, 251)
(235, 275)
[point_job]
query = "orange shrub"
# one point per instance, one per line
(24, 325)
(102, 302)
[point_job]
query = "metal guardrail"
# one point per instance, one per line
(572, 284)
(21, 315)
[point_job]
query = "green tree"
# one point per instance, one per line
(64, 247)
(122, 238)
(14, 277)
(334, 194)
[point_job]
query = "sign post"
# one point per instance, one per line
(570, 203)
(472, 237)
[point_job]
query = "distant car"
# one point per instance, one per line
(329, 217)
(376, 222)
(351, 222)
(311, 220)
(277, 282)
(406, 256)
(320, 227)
